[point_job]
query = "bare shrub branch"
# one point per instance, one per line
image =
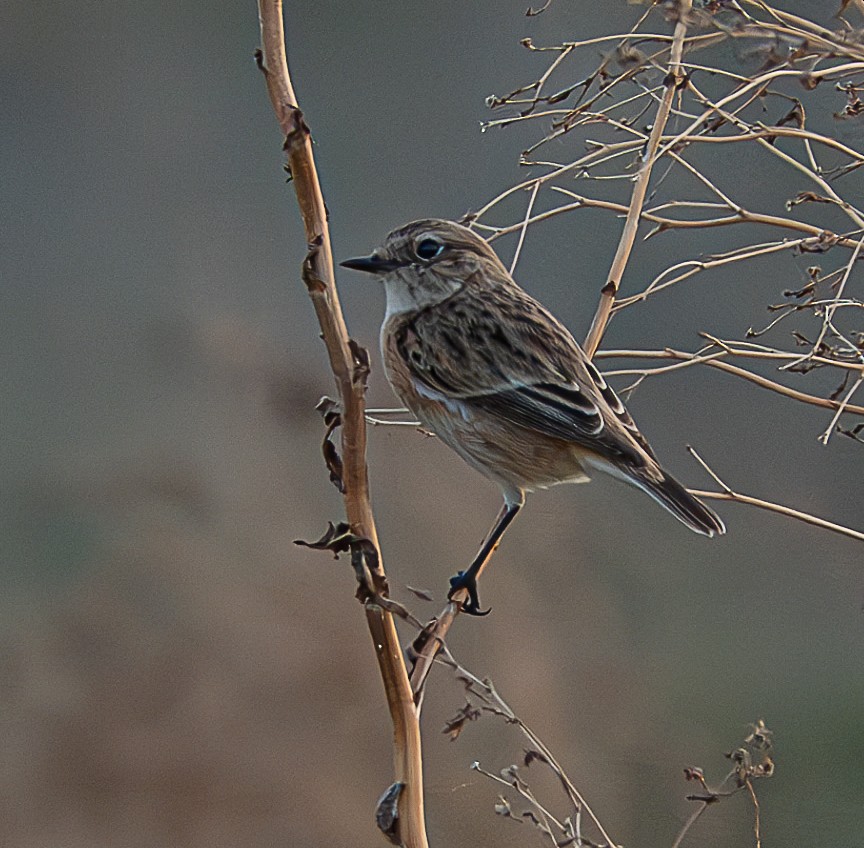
(691, 107)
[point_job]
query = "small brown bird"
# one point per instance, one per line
(501, 381)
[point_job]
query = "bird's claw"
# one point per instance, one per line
(467, 581)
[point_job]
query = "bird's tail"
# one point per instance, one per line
(689, 510)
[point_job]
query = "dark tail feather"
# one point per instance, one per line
(686, 508)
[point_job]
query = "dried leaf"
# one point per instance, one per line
(807, 197)
(530, 12)
(793, 116)
(818, 244)
(532, 817)
(531, 755)
(853, 433)
(808, 81)
(561, 95)
(840, 389)
(361, 363)
(337, 539)
(854, 105)
(313, 282)
(423, 594)
(502, 807)
(334, 464)
(331, 411)
(387, 812)
(332, 414)
(510, 773)
(760, 737)
(694, 773)
(456, 725)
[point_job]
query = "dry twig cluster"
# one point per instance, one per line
(658, 102)
(628, 117)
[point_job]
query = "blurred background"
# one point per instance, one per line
(174, 671)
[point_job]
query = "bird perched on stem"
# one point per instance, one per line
(500, 380)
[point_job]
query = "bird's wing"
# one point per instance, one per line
(508, 357)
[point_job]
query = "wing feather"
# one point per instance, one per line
(510, 358)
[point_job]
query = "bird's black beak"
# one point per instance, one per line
(372, 264)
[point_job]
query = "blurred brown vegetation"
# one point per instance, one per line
(175, 672)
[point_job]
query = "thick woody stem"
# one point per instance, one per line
(640, 187)
(349, 370)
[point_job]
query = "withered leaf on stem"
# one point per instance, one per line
(807, 197)
(840, 388)
(338, 538)
(456, 725)
(818, 244)
(331, 412)
(387, 812)
(364, 557)
(853, 433)
(531, 12)
(313, 282)
(502, 807)
(531, 755)
(366, 565)
(794, 116)
(531, 816)
(694, 773)
(361, 363)
(334, 463)
(423, 594)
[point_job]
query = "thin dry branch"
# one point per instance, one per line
(780, 509)
(492, 702)
(640, 187)
(349, 367)
(727, 493)
(714, 361)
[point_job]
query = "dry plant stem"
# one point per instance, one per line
(714, 362)
(844, 406)
(435, 633)
(728, 494)
(757, 827)
(831, 308)
(737, 497)
(694, 817)
(320, 280)
(640, 188)
(524, 228)
(497, 705)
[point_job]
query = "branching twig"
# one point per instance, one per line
(640, 187)
(728, 494)
(492, 702)
(715, 362)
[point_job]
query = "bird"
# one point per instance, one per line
(496, 377)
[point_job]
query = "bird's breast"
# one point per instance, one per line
(424, 402)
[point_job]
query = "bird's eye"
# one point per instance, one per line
(429, 248)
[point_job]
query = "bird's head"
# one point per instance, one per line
(427, 261)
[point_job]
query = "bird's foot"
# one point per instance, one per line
(467, 581)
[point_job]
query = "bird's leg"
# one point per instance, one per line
(467, 580)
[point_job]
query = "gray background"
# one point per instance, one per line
(174, 670)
